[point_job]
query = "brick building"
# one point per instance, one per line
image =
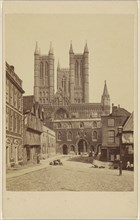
(14, 117)
(110, 141)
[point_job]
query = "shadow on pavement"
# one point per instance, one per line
(82, 159)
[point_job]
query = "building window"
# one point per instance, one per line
(111, 137)
(7, 90)
(129, 149)
(59, 136)
(94, 124)
(46, 68)
(59, 125)
(69, 125)
(11, 94)
(41, 70)
(111, 122)
(69, 135)
(7, 119)
(81, 125)
(11, 120)
(94, 135)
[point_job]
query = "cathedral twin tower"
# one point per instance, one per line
(73, 82)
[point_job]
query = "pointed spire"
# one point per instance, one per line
(71, 49)
(51, 48)
(105, 92)
(58, 65)
(36, 48)
(86, 48)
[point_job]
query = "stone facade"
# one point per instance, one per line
(48, 143)
(14, 118)
(77, 122)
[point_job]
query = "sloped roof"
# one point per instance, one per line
(117, 111)
(129, 125)
(28, 102)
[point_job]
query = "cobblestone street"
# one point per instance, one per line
(72, 176)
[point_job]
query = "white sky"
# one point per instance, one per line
(110, 41)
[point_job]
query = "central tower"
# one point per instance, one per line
(79, 76)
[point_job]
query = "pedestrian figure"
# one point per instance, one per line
(128, 165)
(93, 156)
(38, 159)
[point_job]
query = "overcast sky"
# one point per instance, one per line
(110, 40)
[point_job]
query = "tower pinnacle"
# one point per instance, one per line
(105, 92)
(36, 48)
(58, 65)
(71, 49)
(86, 48)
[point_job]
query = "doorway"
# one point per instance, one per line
(82, 146)
(65, 149)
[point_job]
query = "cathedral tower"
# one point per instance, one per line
(79, 77)
(105, 100)
(43, 76)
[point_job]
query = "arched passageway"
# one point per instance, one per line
(65, 149)
(82, 146)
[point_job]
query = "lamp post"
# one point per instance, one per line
(120, 128)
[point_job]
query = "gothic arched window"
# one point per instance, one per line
(46, 68)
(69, 135)
(41, 70)
(59, 135)
(76, 72)
(81, 125)
(94, 135)
(59, 125)
(95, 124)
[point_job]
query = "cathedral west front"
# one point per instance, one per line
(76, 122)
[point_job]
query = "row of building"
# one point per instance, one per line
(26, 134)
(48, 123)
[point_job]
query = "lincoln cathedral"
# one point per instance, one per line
(76, 122)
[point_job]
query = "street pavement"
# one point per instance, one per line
(75, 174)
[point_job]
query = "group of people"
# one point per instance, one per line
(129, 166)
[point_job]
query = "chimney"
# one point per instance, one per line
(118, 106)
(12, 68)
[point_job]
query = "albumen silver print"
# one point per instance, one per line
(70, 97)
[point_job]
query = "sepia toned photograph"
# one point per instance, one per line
(70, 100)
